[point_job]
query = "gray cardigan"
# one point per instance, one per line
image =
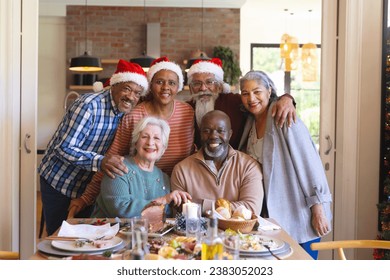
(294, 178)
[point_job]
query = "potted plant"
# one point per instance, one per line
(230, 66)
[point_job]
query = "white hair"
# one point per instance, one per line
(165, 130)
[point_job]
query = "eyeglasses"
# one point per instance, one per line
(128, 90)
(198, 84)
(170, 83)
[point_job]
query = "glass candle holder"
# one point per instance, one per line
(192, 214)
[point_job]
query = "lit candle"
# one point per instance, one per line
(190, 210)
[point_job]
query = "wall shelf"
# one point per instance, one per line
(109, 61)
(77, 87)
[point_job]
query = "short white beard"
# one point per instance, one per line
(202, 108)
(216, 154)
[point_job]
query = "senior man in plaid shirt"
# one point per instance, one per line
(77, 148)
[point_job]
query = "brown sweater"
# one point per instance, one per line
(239, 180)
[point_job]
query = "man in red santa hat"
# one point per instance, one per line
(209, 92)
(76, 150)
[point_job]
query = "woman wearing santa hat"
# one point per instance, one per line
(85, 133)
(165, 80)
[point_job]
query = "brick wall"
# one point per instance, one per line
(119, 32)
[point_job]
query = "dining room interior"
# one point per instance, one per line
(113, 30)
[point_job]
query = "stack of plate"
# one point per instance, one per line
(68, 248)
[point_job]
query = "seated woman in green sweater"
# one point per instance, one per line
(126, 196)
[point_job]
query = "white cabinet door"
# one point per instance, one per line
(18, 99)
(28, 127)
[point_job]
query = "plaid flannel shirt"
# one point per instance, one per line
(76, 150)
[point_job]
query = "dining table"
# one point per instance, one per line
(45, 251)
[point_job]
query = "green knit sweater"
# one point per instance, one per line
(126, 196)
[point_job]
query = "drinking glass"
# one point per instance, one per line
(141, 225)
(231, 244)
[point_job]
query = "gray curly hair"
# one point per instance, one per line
(262, 78)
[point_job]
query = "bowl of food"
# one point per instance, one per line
(240, 219)
(243, 226)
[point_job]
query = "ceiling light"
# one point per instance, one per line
(201, 55)
(85, 62)
(144, 60)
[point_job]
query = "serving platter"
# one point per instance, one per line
(167, 228)
(87, 247)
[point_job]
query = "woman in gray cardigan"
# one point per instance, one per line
(297, 194)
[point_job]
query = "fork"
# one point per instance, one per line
(272, 253)
(75, 238)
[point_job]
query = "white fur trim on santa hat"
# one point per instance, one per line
(226, 88)
(130, 77)
(97, 86)
(166, 65)
(206, 67)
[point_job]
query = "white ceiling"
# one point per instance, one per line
(297, 7)
(152, 3)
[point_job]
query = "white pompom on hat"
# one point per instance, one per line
(163, 63)
(213, 66)
(125, 72)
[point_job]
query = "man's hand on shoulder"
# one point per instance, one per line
(113, 165)
(284, 109)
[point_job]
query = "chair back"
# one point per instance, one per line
(8, 255)
(354, 244)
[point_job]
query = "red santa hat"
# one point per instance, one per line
(213, 66)
(163, 63)
(125, 72)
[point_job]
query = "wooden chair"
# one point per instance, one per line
(354, 244)
(8, 255)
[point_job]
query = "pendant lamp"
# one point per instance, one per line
(309, 59)
(199, 54)
(285, 45)
(309, 62)
(85, 62)
(289, 50)
(144, 60)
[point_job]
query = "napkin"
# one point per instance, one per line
(266, 225)
(88, 231)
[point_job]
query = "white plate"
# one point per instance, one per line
(252, 244)
(88, 247)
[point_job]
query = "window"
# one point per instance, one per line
(266, 57)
